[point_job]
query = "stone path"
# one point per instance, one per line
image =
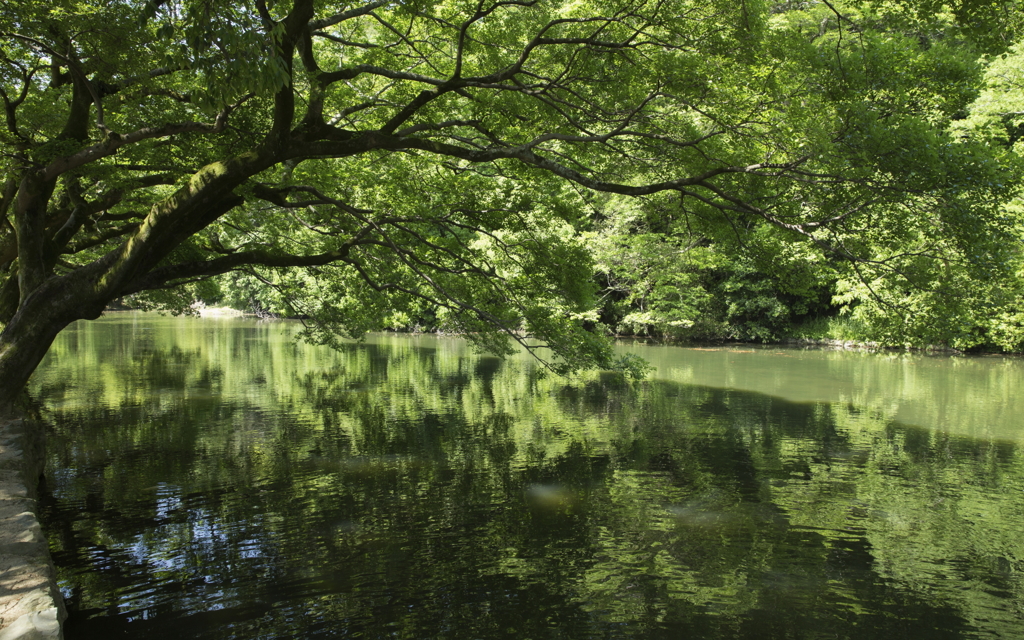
(30, 604)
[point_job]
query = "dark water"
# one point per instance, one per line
(212, 479)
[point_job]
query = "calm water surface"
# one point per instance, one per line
(213, 479)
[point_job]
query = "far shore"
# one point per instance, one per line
(204, 311)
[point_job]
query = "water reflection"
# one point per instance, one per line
(212, 479)
(967, 395)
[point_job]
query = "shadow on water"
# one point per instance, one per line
(418, 490)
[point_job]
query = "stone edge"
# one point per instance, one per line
(31, 607)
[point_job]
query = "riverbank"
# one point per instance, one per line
(31, 607)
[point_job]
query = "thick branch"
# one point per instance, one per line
(317, 25)
(115, 141)
(523, 153)
(162, 276)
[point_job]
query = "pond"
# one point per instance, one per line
(215, 479)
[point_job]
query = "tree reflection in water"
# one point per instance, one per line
(217, 480)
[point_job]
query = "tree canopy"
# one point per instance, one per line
(369, 160)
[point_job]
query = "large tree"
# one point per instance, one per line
(373, 157)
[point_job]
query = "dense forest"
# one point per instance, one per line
(920, 107)
(517, 170)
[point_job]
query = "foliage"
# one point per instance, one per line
(916, 239)
(372, 162)
(698, 282)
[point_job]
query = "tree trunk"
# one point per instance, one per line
(28, 336)
(22, 345)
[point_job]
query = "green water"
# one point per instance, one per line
(213, 479)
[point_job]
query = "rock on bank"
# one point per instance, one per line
(30, 604)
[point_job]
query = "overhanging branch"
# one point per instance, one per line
(115, 141)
